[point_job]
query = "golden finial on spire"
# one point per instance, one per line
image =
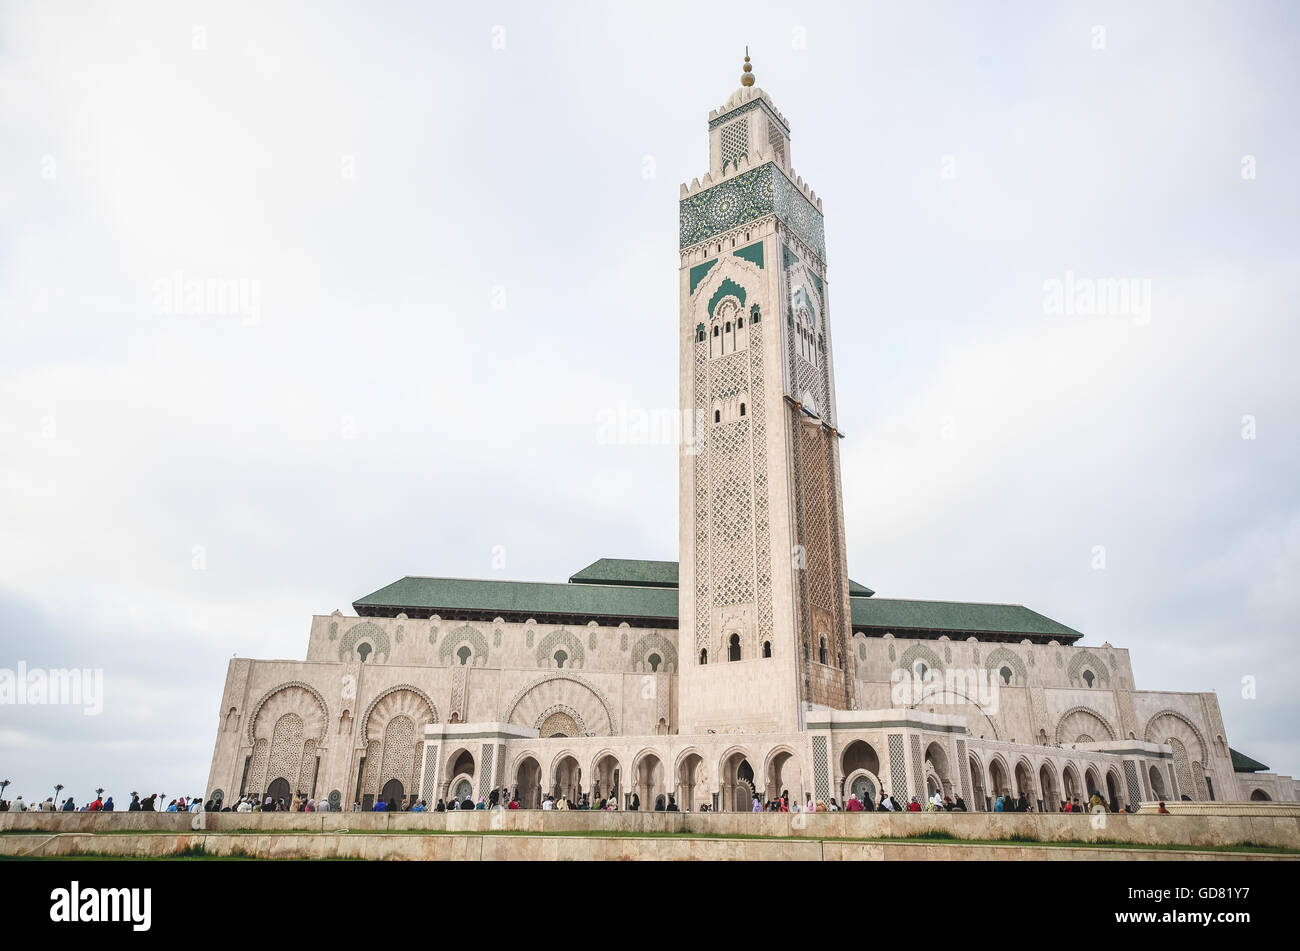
(747, 77)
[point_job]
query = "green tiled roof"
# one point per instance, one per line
(629, 571)
(1241, 763)
(585, 601)
(655, 574)
(613, 589)
(959, 616)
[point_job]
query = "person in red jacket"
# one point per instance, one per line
(854, 804)
(913, 806)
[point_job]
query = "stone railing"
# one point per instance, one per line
(1142, 829)
(1225, 808)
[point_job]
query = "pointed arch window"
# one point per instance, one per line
(733, 647)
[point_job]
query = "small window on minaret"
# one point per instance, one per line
(821, 652)
(717, 415)
(742, 409)
(704, 657)
(740, 322)
(733, 648)
(767, 648)
(715, 331)
(727, 328)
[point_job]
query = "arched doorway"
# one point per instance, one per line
(737, 783)
(1112, 791)
(938, 771)
(463, 789)
(648, 779)
(1258, 795)
(528, 783)
(690, 786)
(774, 778)
(1025, 785)
(1051, 792)
(998, 780)
(460, 763)
(605, 777)
(1157, 784)
(392, 793)
(279, 789)
(866, 790)
(860, 756)
(1071, 779)
(567, 778)
(979, 801)
(1091, 783)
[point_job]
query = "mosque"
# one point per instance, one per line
(752, 666)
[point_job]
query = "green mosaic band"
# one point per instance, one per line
(747, 197)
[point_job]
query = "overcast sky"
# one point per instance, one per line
(455, 231)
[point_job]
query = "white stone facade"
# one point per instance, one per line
(761, 685)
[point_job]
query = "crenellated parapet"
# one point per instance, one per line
(743, 100)
(744, 164)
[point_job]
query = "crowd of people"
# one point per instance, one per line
(500, 799)
(102, 803)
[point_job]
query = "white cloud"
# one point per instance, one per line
(128, 437)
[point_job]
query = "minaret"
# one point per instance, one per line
(764, 603)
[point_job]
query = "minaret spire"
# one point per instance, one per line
(747, 77)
